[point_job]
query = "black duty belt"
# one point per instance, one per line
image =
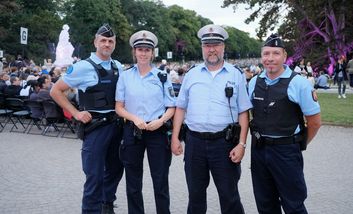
(208, 135)
(100, 115)
(281, 140)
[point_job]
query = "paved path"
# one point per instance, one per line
(41, 175)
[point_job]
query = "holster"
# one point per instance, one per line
(182, 132)
(96, 122)
(303, 143)
(80, 130)
(137, 134)
(232, 134)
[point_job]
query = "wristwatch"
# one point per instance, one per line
(243, 144)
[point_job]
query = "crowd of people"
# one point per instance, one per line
(121, 114)
(320, 78)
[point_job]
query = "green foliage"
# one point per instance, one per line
(84, 18)
(185, 25)
(317, 30)
(241, 45)
(175, 27)
(40, 21)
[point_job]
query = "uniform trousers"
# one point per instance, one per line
(102, 167)
(159, 158)
(278, 178)
(201, 158)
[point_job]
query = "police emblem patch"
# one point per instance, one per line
(69, 69)
(314, 95)
(171, 92)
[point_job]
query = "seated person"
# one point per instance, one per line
(14, 89)
(36, 112)
(44, 83)
(3, 78)
(28, 89)
(322, 81)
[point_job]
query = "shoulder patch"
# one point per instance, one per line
(69, 69)
(314, 95)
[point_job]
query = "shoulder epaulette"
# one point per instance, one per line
(239, 69)
(193, 66)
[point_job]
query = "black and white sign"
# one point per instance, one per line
(156, 52)
(23, 35)
(1, 53)
(169, 55)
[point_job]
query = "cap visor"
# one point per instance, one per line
(212, 41)
(143, 46)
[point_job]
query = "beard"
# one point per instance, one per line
(213, 59)
(107, 53)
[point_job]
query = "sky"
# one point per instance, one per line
(212, 10)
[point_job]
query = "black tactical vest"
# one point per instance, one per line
(273, 112)
(102, 95)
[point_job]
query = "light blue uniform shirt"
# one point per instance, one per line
(143, 96)
(203, 97)
(299, 91)
(82, 74)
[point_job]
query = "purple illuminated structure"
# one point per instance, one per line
(330, 33)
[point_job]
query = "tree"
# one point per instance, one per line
(151, 16)
(185, 25)
(239, 44)
(84, 18)
(41, 20)
(317, 29)
(7, 9)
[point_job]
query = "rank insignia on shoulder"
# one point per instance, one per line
(314, 95)
(69, 69)
(171, 91)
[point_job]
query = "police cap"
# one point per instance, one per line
(212, 34)
(144, 39)
(273, 41)
(105, 30)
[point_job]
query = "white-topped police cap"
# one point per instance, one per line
(212, 34)
(144, 39)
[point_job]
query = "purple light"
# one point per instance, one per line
(330, 32)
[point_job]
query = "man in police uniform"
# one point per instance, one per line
(280, 98)
(96, 79)
(214, 96)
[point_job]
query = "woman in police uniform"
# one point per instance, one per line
(145, 98)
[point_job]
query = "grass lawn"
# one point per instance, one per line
(336, 111)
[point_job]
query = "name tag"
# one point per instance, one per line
(106, 81)
(258, 98)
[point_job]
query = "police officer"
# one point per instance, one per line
(214, 96)
(280, 98)
(96, 79)
(145, 98)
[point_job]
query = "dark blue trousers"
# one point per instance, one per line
(159, 158)
(102, 167)
(201, 158)
(278, 178)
